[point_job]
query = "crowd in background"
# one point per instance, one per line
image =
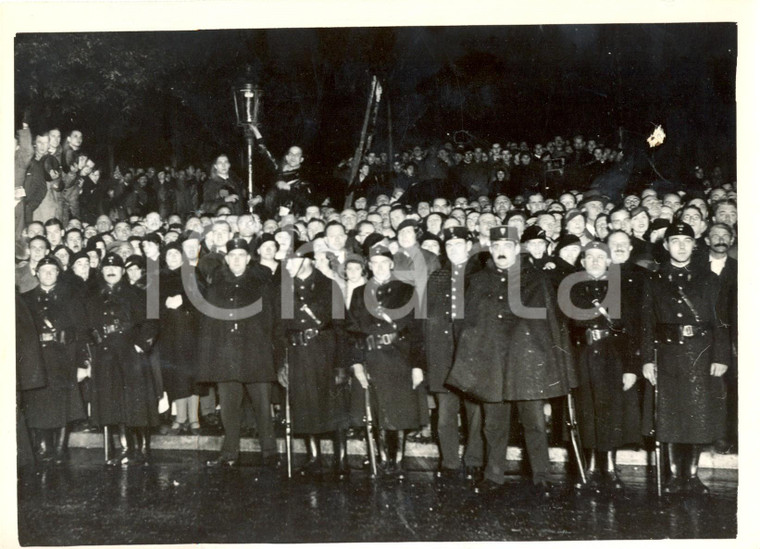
(73, 217)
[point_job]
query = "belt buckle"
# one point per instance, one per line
(370, 342)
(386, 339)
(688, 330)
(47, 337)
(309, 334)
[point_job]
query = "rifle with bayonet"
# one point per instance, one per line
(368, 423)
(575, 437)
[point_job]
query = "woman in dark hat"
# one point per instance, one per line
(179, 321)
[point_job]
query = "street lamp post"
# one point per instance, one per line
(247, 97)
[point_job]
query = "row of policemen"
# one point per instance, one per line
(480, 345)
(597, 342)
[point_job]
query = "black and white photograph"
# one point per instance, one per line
(372, 272)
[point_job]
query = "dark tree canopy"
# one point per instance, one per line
(148, 97)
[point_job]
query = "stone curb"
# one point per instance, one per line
(709, 459)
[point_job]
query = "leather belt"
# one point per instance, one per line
(302, 338)
(377, 341)
(590, 336)
(47, 337)
(676, 333)
(113, 329)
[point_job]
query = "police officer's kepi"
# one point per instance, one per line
(380, 249)
(48, 260)
(452, 233)
(679, 228)
(237, 244)
(596, 245)
(112, 260)
(503, 232)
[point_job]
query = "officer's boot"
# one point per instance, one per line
(693, 485)
(340, 451)
(384, 465)
(142, 436)
(61, 444)
(127, 447)
(612, 479)
(313, 467)
(674, 485)
(592, 474)
(123, 437)
(42, 450)
(399, 459)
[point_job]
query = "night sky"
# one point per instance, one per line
(170, 100)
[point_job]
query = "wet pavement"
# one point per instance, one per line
(177, 500)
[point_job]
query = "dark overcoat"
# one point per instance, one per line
(691, 407)
(57, 315)
(235, 348)
(608, 417)
(178, 341)
(503, 357)
(390, 367)
(318, 403)
(444, 320)
(123, 386)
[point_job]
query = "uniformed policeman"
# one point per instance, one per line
(314, 375)
(443, 326)
(50, 409)
(238, 351)
(123, 387)
(606, 372)
(694, 353)
(511, 355)
(386, 357)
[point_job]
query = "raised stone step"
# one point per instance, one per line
(709, 459)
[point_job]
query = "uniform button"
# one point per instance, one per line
(503, 279)
(446, 332)
(680, 301)
(679, 315)
(501, 298)
(498, 316)
(453, 306)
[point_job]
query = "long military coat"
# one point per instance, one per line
(123, 386)
(55, 314)
(445, 319)
(318, 403)
(235, 348)
(608, 417)
(503, 357)
(691, 407)
(390, 367)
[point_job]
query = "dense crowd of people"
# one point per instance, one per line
(460, 280)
